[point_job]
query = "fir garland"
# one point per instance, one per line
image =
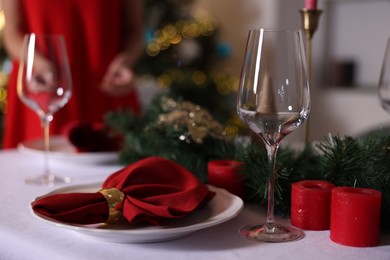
(343, 161)
(145, 136)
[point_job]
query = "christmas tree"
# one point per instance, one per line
(182, 53)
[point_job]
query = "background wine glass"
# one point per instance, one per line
(44, 85)
(273, 100)
(384, 80)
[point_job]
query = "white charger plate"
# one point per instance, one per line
(223, 207)
(62, 150)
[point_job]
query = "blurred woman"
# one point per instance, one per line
(103, 40)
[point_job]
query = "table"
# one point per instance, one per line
(23, 236)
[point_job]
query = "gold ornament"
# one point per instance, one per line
(197, 120)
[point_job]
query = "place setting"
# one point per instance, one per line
(152, 200)
(81, 142)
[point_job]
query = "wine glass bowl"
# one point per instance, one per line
(273, 100)
(384, 80)
(44, 85)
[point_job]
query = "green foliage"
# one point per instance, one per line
(343, 161)
(144, 137)
(291, 166)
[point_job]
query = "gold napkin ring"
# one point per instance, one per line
(114, 199)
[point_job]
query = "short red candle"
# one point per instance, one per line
(226, 174)
(355, 216)
(310, 204)
(310, 4)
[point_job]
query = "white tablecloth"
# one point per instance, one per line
(23, 236)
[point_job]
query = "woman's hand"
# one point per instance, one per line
(119, 79)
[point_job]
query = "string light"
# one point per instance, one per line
(199, 78)
(173, 33)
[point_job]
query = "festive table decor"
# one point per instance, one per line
(343, 161)
(174, 129)
(151, 190)
(355, 216)
(226, 174)
(310, 204)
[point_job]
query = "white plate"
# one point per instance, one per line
(223, 207)
(61, 149)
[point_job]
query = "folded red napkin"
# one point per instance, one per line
(92, 137)
(154, 188)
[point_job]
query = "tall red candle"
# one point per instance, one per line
(310, 4)
(310, 204)
(355, 216)
(226, 174)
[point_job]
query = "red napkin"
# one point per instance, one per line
(92, 137)
(155, 188)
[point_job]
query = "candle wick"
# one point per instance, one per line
(354, 183)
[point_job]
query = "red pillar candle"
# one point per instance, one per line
(355, 216)
(226, 174)
(310, 204)
(310, 4)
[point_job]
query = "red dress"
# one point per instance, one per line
(92, 31)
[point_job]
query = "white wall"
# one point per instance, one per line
(358, 31)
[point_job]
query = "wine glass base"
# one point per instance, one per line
(271, 233)
(48, 179)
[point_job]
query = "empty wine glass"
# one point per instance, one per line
(44, 85)
(384, 80)
(273, 100)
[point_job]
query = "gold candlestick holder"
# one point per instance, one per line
(310, 21)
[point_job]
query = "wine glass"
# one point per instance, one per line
(273, 100)
(384, 80)
(44, 85)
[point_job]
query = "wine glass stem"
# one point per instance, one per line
(46, 138)
(271, 152)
